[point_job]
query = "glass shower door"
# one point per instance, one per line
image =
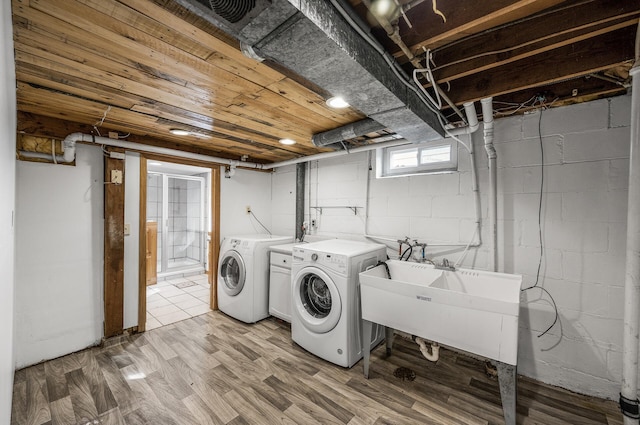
(185, 224)
(177, 204)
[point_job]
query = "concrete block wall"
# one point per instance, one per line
(584, 206)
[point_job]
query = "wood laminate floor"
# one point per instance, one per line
(212, 369)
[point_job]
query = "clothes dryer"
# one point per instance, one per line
(326, 318)
(243, 276)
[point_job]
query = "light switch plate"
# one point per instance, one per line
(127, 229)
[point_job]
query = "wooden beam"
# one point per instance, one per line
(113, 248)
(560, 64)
(547, 31)
(463, 18)
(142, 248)
(46, 126)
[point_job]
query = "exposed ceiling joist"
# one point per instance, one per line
(567, 62)
(153, 65)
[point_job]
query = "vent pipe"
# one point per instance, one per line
(629, 390)
(487, 121)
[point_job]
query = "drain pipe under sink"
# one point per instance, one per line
(432, 356)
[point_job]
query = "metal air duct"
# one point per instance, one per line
(313, 39)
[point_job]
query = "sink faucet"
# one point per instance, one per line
(445, 265)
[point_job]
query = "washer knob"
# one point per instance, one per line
(314, 256)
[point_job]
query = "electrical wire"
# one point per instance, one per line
(101, 121)
(535, 285)
(259, 222)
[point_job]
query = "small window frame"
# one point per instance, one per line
(384, 155)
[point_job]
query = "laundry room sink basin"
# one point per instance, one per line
(471, 310)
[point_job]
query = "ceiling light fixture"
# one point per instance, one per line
(179, 132)
(337, 102)
(287, 141)
(155, 164)
(384, 8)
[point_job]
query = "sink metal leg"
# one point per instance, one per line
(366, 345)
(508, 386)
(388, 337)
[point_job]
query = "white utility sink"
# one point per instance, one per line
(474, 311)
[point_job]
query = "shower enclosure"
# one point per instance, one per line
(177, 204)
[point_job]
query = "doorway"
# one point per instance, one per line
(176, 203)
(178, 222)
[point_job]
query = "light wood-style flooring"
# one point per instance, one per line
(211, 369)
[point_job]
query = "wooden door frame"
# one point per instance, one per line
(215, 231)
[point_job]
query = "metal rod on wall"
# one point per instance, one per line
(300, 177)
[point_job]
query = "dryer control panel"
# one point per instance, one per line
(325, 260)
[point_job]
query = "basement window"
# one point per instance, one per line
(422, 158)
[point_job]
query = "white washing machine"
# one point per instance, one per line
(243, 276)
(326, 318)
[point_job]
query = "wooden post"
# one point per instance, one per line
(142, 248)
(113, 246)
(215, 236)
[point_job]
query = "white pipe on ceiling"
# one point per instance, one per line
(70, 141)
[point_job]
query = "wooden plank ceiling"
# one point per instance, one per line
(139, 68)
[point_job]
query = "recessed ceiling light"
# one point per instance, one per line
(179, 132)
(287, 141)
(337, 102)
(157, 164)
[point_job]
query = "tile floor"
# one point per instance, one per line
(172, 300)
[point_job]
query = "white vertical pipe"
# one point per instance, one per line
(632, 272)
(487, 118)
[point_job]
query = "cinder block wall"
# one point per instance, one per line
(584, 206)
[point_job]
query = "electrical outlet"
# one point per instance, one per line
(248, 209)
(116, 176)
(313, 223)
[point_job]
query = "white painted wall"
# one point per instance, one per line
(7, 208)
(59, 257)
(584, 213)
(131, 241)
(283, 205)
(245, 188)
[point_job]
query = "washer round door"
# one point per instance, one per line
(316, 300)
(233, 273)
